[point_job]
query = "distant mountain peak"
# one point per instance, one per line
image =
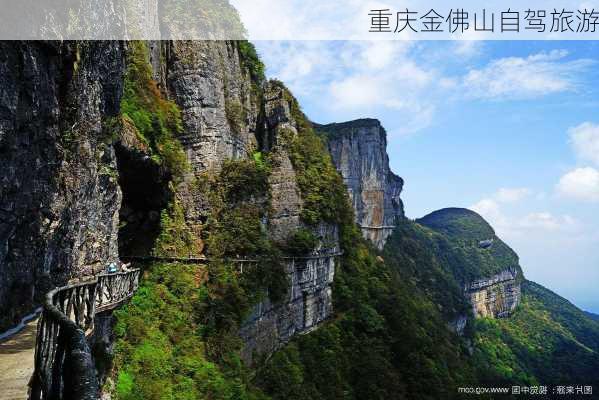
(459, 221)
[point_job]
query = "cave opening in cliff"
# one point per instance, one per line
(145, 188)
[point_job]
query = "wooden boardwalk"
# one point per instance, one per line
(16, 363)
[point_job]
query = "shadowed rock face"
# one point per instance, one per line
(59, 197)
(359, 151)
(309, 302)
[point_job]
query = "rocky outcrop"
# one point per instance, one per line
(486, 267)
(286, 201)
(214, 93)
(309, 303)
(309, 298)
(59, 196)
(226, 115)
(496, 296)
(219, 109)
(359, 151)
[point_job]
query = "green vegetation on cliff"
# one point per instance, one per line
(155, 120)
(387, 341)
(251, 61)
(161, 350)
(391, 334)
(458, 232)
(547, 341)
(300, 243)
(177, 339)
(239, 202)
(432, 263)
(176, 239)
(594, 317)
(323, 192)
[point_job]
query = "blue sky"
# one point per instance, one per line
(509, 129)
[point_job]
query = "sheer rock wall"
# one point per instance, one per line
(359, 151)
(59, 197)
(495, 297)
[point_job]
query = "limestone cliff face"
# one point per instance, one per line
(219, 109)
(309, 299)
(359, 151)
(214, 93)
(226, 116)
(285, 193)
(309, 303)
(496, 296)
(59, 197)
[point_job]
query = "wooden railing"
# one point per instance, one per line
(64, 367)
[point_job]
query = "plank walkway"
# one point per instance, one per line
(16, 363)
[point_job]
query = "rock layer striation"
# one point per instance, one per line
(359, 151)
(496, 296)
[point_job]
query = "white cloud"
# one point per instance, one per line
(367, 89)
(491, 207)
(580, 184)
(355, 79)
(468, 48)
(381, 54)
(509, 195)
(292, 19)
(547, 221)
(585, 141)
(298, 63)
(490, 210)
(512, 195)
(357, 91)
(381, 74)
(523, 78)
(448, 83)
(510, 226)
(498, 211)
